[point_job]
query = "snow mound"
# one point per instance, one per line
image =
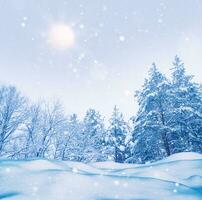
(184, 156)
(37, 165)
(177, 177)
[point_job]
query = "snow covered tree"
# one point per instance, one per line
(72, 148)
(31, 131)
(186, 120)
(12, 116)
(169, 120)
(150, 135)
(117, 133)
(54, 126)
(93, 137)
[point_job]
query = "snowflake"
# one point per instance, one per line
(35, 189)
(81, 26)
(75, 170)
(23, 24)
(101, 25)
(160, 21)
(121, 38)
(8, 170)
(25, 18)
(104, 8)
(75, 70)
(177, 184)
(116, 183)
(96, 34)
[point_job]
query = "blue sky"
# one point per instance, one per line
(114, 44)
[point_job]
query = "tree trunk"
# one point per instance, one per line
(166, 144)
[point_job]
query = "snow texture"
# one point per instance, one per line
(177, 177)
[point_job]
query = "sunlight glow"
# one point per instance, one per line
(61, 36)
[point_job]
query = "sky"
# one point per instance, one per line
(95, 53)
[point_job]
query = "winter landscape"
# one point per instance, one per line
(100, 100)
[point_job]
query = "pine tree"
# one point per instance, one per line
(117, 134)
(72, 148)
(93, 137)
(186, 119)
(150, 135)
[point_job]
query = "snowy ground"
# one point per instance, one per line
(178, 177)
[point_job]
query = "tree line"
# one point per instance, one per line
(169, 120)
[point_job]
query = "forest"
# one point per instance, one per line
(168, 121)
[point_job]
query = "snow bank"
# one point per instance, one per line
(184, 156)
(177, 177)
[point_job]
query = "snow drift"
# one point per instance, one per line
(177, 177)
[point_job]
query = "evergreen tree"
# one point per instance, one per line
(72, 147)
(186, 119)
(169, 120)
(93, 137)
(117, 134)
(150, 135)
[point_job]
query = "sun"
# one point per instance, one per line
(61, 36)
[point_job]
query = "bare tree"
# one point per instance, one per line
(32, 128)
(53, 125)
(12, 114)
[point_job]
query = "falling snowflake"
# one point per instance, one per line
(116, 183)
(160, 21)
(23, 24)
(8, 170)
(177, 184)
(81, 26)
(75, 170)
(122, 38)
